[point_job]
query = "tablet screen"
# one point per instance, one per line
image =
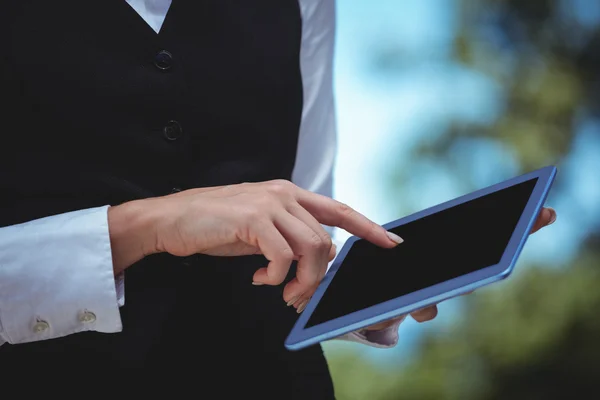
(439, 247)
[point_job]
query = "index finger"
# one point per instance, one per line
(333, 213)
(279, 253)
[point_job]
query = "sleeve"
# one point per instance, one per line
(56, 278)
(317, 142)
(383, 339)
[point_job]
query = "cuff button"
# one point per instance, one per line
(87, 316)
(41, 326)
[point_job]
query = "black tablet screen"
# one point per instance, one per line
(441, 246)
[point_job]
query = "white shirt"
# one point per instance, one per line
(56, 273)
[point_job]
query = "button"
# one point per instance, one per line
(175, 190)
(172, 130)
(87, 317)
(41, 326)
(163, 60)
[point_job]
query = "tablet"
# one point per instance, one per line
(449, 249)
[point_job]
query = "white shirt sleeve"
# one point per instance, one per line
(56, 277)
(317, 141)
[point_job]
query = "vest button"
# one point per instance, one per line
(163, 60)
(172, 130)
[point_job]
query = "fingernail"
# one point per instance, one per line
(257, 283)
(553, 215)
(394, 238)
(302, 306)
(293, 300)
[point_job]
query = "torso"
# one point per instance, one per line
(89, 126)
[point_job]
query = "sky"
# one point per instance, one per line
(380, 116)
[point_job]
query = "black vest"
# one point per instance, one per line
(99, 109)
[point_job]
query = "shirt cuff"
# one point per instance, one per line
(383, 339)
(120, 287)
(56, 277)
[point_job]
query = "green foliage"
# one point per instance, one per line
(547, 66)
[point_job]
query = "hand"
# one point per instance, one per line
(276, 219)
(546, 217)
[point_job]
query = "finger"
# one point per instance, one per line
(291, 296)
(333, 213)
(279, 253)
(301, 301)
(306, 217)
(426, 314)
(332, 252)
(546, 217)
(302, 306)
(310, 248)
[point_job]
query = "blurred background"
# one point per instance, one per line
(436, 98)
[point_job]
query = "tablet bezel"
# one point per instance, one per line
(300, 337)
